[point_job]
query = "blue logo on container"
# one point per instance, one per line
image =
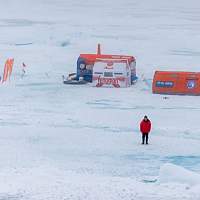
(190, 84)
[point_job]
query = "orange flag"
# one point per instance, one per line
(11, 61)
(7, 69)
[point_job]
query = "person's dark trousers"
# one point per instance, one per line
(145, 136)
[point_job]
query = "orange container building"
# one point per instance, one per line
(173, 82)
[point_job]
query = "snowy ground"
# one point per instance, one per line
(80, 142)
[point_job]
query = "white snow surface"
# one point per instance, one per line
(172, 173)
(80, 142)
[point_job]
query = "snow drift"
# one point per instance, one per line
(173, 173)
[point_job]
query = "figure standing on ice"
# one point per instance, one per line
(23, 70)
(145, 128)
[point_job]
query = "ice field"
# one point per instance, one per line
(80, 142)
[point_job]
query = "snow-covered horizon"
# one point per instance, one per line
(80, 142)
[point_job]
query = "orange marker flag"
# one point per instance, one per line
(10, 67)
(7, 69)
(5, 74)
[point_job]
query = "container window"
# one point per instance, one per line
(108, 74)
(118, 73)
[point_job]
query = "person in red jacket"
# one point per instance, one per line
(145, 128)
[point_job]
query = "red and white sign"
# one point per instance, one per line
(112, 73)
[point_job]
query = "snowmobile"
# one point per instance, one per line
(71, 79)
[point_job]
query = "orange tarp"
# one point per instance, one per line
(173, 82)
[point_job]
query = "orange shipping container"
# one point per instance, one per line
(173, 82)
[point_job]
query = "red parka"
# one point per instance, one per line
(145, 126)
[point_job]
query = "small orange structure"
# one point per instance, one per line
(173, 82)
